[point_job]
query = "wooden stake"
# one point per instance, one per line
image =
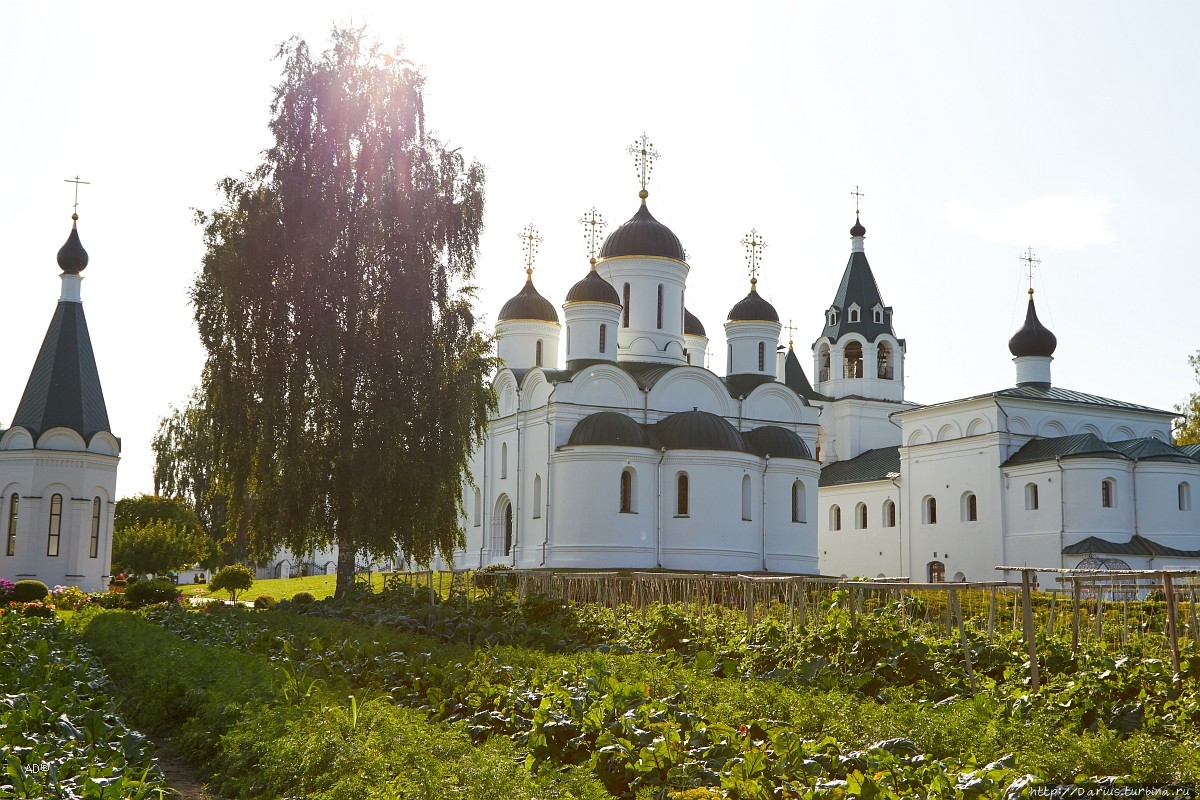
(1195, 629)
(991, 614)
(1053, 601)
(1027, 615)
(1172, 627)
(962, 635)
(1074, 616)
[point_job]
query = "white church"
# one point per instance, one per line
(629, 453)
(58, 458)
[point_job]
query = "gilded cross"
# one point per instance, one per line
(529, 245)
(644, 156)
(858, 196)
(791, 329)
(593, 227)
(1031, 263)
(754, 245)
(76, 181)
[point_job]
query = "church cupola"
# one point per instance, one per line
(647, 266)
(593, 307)
(694, 339)
(527, 327)
(752, 327)
(858, 353)
(1033, 348)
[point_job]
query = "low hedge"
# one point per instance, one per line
(29, 592)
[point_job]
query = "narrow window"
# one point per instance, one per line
(681, 495)
(889, 514)
(878, 315)
(937, 572)
(854, 315)
(537, 356)
(94, 549)
(762, 356)
(730, 367)
(799, 501)
(568, 340)
(970, 507)
(625, 302)
(1108, 494)
(603, 337)
(627, 491)
(824, 360)
(929, 509)
(537, 496)
(1185, 497)
(746, 497)
(884, 357)
(660, 298)
(508, 529)
(853, 360)
(860, 516)
(55, 525)
(478, 508)
(504, 460)
(13, 503)
(835, 518)
(1031, 497)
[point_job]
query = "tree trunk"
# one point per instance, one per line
(345, 569)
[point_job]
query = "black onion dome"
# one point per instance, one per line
(608, 427)
(692, 326)
(593, 289)
(643, 235)
(753, 308)
(858, 229)
(72, 258)
(528, 304)
(1034, 338)
(699, 430)
(777, 442)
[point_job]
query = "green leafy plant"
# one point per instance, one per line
(29, 591)
(144, 593)
(233, 578)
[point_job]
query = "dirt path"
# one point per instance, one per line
(182, 779)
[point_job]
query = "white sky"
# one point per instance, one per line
(973, 129)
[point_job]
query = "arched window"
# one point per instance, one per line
(960, 577)
(537, 354)
(1031, 497)
(853, 360)
(854, 315)
(860, 516)
(504, 460)
(878, 315)
(889, 514)
(537, 496)
(94, 547)
(508, 529)
(729, 368)
(762, 356)
(929, 511)
(568, 340)
(746, 497)
(937, 572)
(1185, 496)
(625, 302)
(835, 518)
(603, 338)
(660, 298)
(823, 359)
(627, 499)
(52, 537)
(1108, 493)
(13, 504)
(477, 518)
(681, 495)
(884, 357)
(970, 507)
(799, 502)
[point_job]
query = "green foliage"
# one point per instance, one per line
(303, 598)
(107, 599)
(69, 598)
(157, 547)
(28, 591)
(233, 578)
(144, 593)
(142, 509)
(265, 601)
(1188, 431)
(327, 306)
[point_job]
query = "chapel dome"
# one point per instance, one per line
(608, 427)
(753, 308)
(1034, 338)
(692, 326)
(698, 430)
(643, 235)
(72, 258)
(528, 304)
(593, 289)
(858, 229)
(777, 442)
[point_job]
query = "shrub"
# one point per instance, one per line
(264, 601)
(144, 593)
(6, 588)
(303, 598)
(29, 592)
(493, 576)
(107, 600)
(69, 598)
(36, 609)
(233, 578)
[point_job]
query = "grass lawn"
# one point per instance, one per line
(319, 586)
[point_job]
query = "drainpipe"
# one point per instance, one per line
(766, 463)
(516, 544)
(549, 470)
(646, 406)
(741, 398)
(1133, 477)
(899, 526)
(658, 509)
(1062, 507)
(483, 501)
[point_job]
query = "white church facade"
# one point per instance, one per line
(632, 454)
(58, 458)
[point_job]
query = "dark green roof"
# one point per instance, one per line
(776, 442)
(858, 287)
(753, 308)
(794, 377)
(1054, 394)
(692, 326)
(880, 464)
(608, 428)
(1150, 449)
(528, 304)
(1192, 450)
(643, 235)
(64, 387)
(1079, 445)
(699, 430)
(1136, 546)
(593, 289)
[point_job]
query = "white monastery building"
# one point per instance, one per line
(58, 459)
(631, 454)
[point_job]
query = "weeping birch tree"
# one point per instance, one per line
(345, 377)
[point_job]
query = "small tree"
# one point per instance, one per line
(233, 579)
(157, 547)
(1188, 431)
